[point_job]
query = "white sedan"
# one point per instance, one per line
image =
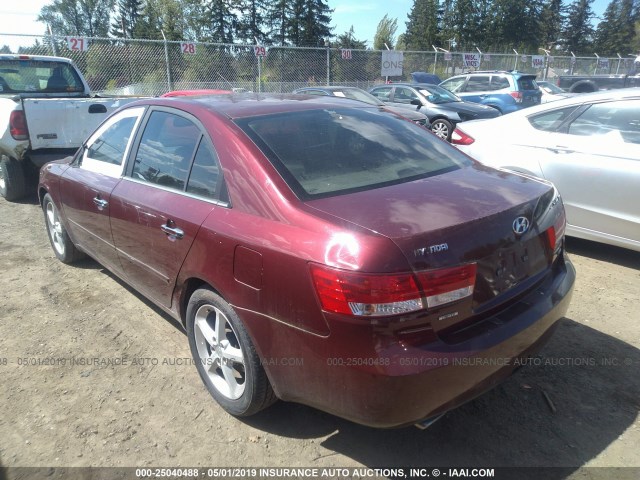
(587, 145)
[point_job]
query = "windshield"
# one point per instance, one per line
(328, 152)
(36, 76)
(438, 95)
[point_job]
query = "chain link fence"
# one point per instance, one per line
(152, 67)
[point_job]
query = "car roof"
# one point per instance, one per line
(618, 94)
(20, 56)
(255, 104)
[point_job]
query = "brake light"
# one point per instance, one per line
(18, 125)
(517, 96)
(458, 137)
(366, 294)
(555, 234)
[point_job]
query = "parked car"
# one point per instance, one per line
(593, 83)
(195, 92)
(46, 111)
(444, 109)
(551, 93)
(424, 77)
(355, 93)
(317, 250)
(587, 145)
(507, 91)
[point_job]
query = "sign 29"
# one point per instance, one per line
(77, 44)
(188, 48)
(260, 51)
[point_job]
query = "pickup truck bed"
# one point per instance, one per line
(46, 112)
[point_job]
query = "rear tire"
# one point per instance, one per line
(13, 183)
(62, 245)
(442, 128)
(225, 356)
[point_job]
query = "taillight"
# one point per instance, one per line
(517, 96)
(18, 125)
(447, 285)
(555, 234)
(458, 137)
(366, 294)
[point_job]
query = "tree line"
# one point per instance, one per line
(493, 25)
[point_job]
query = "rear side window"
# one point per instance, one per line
(382, 93)
(499, 82)
(551, 121)
(205, 178)
(166, 149)
(322, 153)
(479, 83)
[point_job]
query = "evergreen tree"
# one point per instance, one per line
(315, 23)
(128, 14)
(465, 23)
(551, 21)
(277, 21)
(348, 40)
(422, 28)
(385, 33)
(578, 30)
(251, 24)
(616, 31)
(78, 17)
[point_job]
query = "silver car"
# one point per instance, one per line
(587, 145)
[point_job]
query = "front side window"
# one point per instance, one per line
(621, 119)
(166, 149)
(328, 152)
(404, 95)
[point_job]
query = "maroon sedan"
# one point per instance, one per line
(317, 250)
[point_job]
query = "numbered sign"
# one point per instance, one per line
(448, 56)
(346, 54)
(260, 51)
(603, 63)
(77, 44)
(537, 61)
(188, 48)
(486, 58)
(523, 59)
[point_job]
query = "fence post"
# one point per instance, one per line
(328, 66)
(52, 41)
(166, 59)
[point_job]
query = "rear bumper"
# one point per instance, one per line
(374, 380)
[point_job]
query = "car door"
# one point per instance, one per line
(86, 187)
(595, 163)
(171, 184)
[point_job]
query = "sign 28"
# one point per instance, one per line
(188, 48)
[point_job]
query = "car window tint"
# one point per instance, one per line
(527, 83)
(205, 178)
(479, 83)
(404, 95)
(499, 82)
(110, 146)
(382, 93)
(453, 85)
(604, 118)
(165, 150)
(328, 152)
(551, 121)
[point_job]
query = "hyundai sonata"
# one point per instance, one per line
(317, 250)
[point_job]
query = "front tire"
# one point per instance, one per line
(62, 245)
(225, 356)
(13, 184)
(442, 128)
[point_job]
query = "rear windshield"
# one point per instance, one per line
(527, 83)
(35, 76)
(322, 153)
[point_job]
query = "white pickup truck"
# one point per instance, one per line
(46, 112)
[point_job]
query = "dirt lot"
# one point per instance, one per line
(154, 411)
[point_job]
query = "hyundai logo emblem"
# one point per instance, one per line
(520, 225)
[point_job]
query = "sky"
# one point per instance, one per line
(20, 17)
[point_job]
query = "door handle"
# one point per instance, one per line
(174, 232)
(100, 203)
(560, 149)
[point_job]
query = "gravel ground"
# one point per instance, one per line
(127, 394)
